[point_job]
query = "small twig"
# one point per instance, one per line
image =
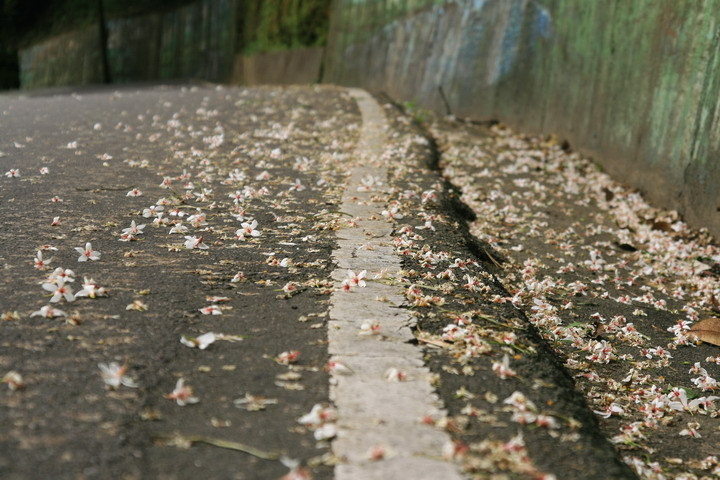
(101, 188)
(492, 259)
(445, 100)
(333, 212)
(179, 439)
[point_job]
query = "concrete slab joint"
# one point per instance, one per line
(380, 434)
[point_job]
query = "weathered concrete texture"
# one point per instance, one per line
(69, 59)
(193, 42)
(296, 66)
(375, 412)
(200, 40)
(634, 84)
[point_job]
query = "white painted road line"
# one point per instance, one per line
(377, 414)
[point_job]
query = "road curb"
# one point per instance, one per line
(381, 403)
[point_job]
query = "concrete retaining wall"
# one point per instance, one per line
(206, 39)
(636, 84)
(195, 41)
(69, 59)
(296, 66)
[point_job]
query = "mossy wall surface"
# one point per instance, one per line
(69, 59)
(636, 84)
(194, 41)
(198, 40)
(267, 26)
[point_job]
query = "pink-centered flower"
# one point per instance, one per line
(133, 229)
(87, 253)
(13, 173)
(338, 368)
(114, 375)
(48, 311)
(152, 211)
(297, 186)
(502, 369)
(237, 196)
(288, 357)
(369, 328)
(392, 214)
(395, 375)
(248, 229)
(65, 274)
(192, 242)
(297, 473)
(354, 280)
(216, 299)
(178, 228)
(197, 220)
(211, 310)
(319, 415)
(691, 430)
(610, 410)
(369, 183)
(91, 289)
(40, 263)
(59, 290)
(182, 394)
(428, 196)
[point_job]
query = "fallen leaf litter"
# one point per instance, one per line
(565, 241)
(621, 290)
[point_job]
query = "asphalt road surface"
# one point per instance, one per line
(202, 161)
(176, 277)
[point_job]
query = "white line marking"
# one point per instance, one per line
(372, 411)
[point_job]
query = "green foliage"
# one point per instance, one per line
(418, 114)
(282, 24)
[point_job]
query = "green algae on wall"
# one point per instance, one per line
(69, 59)
(198, 40)
(194, 41)
(282, 25)
(635, 84)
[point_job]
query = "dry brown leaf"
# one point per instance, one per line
(662, 226)
(434, 342)
(707, 330)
